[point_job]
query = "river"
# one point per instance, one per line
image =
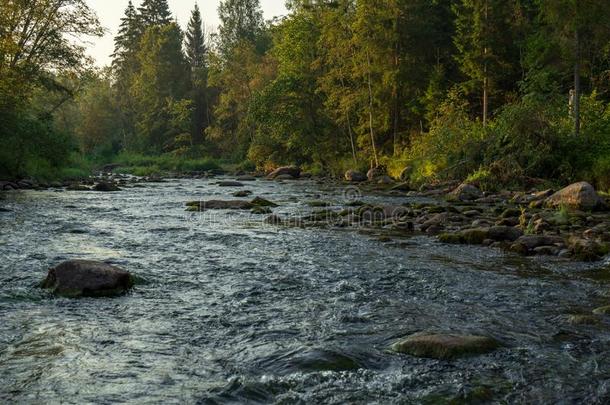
(227, 309)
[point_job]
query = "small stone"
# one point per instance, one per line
(229, 184)
(243, 193)
(546, 251)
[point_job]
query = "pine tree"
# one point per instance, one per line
(195, 41)
(125, 64)
(196, 54)
(126, 41)
(162, 81)
(155, 12)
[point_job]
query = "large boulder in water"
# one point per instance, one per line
(445, 346)
(292, 171)
(85, 278)
(579, 196)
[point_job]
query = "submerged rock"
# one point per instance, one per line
(579, 196)
(261, 210)
(243, 193)
(79, 187)
(200, 206)
(445, 346)
(84, 278)
(274, 220)
(602, 310)
(583, 320)
(229, 184)
(106, 187)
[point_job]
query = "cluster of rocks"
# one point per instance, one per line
(102, 184)
(571, 223)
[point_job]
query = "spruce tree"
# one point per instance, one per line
(196, 54)
(127, 39)
(155, 12)
(125, 66)
(195, 41)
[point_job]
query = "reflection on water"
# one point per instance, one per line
(228, 309)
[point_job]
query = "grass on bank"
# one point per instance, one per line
(141, 165)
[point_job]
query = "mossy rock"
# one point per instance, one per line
(445, 346)
(261, 202)
(510, 213)
(602, 310)
(583, 320)
(451, 238)
(475, 236)
(355, 204)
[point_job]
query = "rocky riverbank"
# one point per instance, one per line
(571, 223)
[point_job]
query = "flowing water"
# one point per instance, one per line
(229, 310)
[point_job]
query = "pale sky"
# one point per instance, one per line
(111, 11)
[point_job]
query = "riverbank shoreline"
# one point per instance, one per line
(529, 223)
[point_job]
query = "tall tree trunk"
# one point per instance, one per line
(485, 73)
(372, 133)
(577, 84)
(349, 125)
(485, 96)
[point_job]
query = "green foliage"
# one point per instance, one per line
(31, 146)
(454, 146)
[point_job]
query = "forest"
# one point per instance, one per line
(496, 91)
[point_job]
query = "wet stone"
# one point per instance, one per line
(445, 346)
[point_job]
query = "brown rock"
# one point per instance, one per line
(292, 171)
(84, 278)
(581, 196)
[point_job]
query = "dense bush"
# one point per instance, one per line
(32, 147)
